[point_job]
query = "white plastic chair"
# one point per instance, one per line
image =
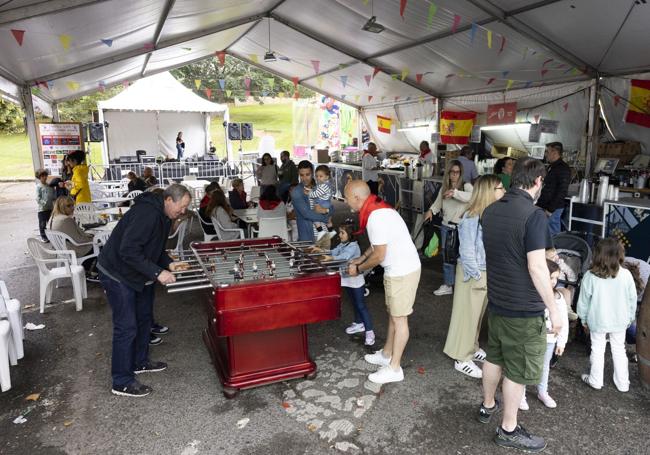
(7, 355)
(220, 230)
(179, 235)
(133, 194)
(59, 239)
(85, 213)
(268, 227)
(12, 308)
(64, 266)
(189, 177)
(206, 237)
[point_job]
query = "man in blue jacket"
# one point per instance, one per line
(305, 215)
(129, 265)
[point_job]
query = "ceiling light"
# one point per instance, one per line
(372, 25)
(504, 127)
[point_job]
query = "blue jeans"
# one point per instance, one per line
(132, 319)
(555, 221)
(448, 270)
(542, 387)
(361, 313)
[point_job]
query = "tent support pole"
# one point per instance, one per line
(30, 120)
(55, 113)
(594, 127)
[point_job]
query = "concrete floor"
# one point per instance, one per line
(432, 411)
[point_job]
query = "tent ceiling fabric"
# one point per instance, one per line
(441, 53)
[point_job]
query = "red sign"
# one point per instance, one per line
(501, 114)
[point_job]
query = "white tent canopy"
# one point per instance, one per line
(148, 115)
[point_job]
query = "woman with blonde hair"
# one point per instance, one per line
(470, 296)
(62, 220)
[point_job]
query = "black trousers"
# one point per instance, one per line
(42, 222)
(374, 187)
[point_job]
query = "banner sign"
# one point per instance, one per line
(55, 140)
(548, 126)
(501, 114)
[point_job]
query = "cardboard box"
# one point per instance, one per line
(320, 156)
(624, 151)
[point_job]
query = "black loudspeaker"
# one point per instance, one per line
(247, 131)
(234, 131)
(95, 132)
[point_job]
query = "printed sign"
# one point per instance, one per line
(501, 114)
(55, 140)
(549, 126)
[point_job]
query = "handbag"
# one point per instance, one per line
(450, 248)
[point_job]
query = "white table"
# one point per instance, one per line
(114, 201)
(112, 211)
(196, 184)
(108, 227)
(248, 216)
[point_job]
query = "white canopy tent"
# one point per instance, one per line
(428, 50)
(149, 114)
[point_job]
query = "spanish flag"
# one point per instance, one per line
(455, 127)
(383, 124)
(638, 109)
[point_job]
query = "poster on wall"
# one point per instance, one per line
(548, 126)
(55, 140)
(501, 114)
(330, 132)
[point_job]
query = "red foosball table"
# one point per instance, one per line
(260, 294)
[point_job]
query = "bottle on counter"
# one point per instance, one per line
(119, 213)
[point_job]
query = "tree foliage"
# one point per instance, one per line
(234, 73)
(11, 117)
(81, 109)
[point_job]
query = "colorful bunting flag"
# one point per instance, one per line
(503, 43)
(402, 7)
(433, 8)
(551, 114)
(489, 38)
(247, 82)
(344, 80)
(490, 81)
(108, 42)
(221, 55)
(375, 71)
(356, 99)
(208, 93)
(228, 92)
(72, 85)
(456, 23)
(472, 32)
(509, 84)
(367, 78)
(369, 98)
(504, 74)
(296, 95)
(421, 100)
(295, 80)
(565, 106)
(394, 76)
(125, 84)
(384, 123)
(455, 127)
(316, 65)
(547, 62)
(637, 107)
(319, 81)
(197, 83)
(252, 58)
(405, 72)
(418, 77)
(544, 71)
(18, 35)
(617, 99)
(222, 83)
(65, 41)
(101, 86)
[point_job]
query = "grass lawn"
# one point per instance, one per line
(272, 119)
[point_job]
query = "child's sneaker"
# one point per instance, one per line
(547, 400)
(355, 328)
(370, 338)
(523, 406)
(469, 368)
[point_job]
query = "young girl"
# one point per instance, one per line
(553, 343)
(348, 249)
(607, 307)
(322, 194)
(45, 201)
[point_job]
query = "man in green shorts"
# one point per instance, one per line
(516, 236)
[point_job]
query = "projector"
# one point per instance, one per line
(270, 57)
(372, 26)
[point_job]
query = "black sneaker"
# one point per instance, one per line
(485, 414)
(519, 439)
(135, 389)
(151, 367)
(154, 340)
(158, 329)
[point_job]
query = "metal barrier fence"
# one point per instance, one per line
(117, 172)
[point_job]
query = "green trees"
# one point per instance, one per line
(11, 117)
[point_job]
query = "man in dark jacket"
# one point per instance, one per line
(130, 263)
(556, 187)
(288, 175)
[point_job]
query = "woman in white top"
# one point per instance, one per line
(62, 220)
(220, 213)
(453, 199)
(267, 173)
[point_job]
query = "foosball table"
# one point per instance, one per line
(260, 295)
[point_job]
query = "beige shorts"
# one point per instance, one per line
(400, 293)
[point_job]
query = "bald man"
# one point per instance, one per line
(392, 248)
(370, 168)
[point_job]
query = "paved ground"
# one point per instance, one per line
(432, 411)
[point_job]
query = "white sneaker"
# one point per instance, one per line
(355, 328)
(469, 368)
(370, 338)
(480, 355)
(377, 358)
(444, 290)
(385, 375)
(523, 406)
(547, 400)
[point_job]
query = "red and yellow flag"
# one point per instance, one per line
(384, 124)
(638, 109)
(455, 127)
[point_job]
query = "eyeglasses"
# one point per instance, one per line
(454, 172)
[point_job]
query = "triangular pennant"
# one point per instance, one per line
(394, 76)
(544, 71)
(375, 71)
(344, 80)
(125, 84)
(472, 33)
(546, 62)
(536, 117)
(108, 42)
(617, 99)
(490, 81)
(208, 93)
(489, 39)
(356, 98)
(421, 100)
(316, 65)
(221, 55)
(456, 23)
(222, 83)
(565, 106)
(503, 44)
(369, 98)
(449, 75)
(402, 7)
(197, 83)
(271, 82)
(296, 95)
(65, 41)
(36, 91)
(101, 86)
(253, 57)
(509, 84)
(319, 81)
(418, 77)
(247, 83)
(18, 35)
(342, 66)
(551, 114)
(72, 85)
(433, 8)
(405, 73)
(295, 80)
(228, 92)
(367, 78)
(504, 74)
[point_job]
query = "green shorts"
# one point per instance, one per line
(517, 345)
